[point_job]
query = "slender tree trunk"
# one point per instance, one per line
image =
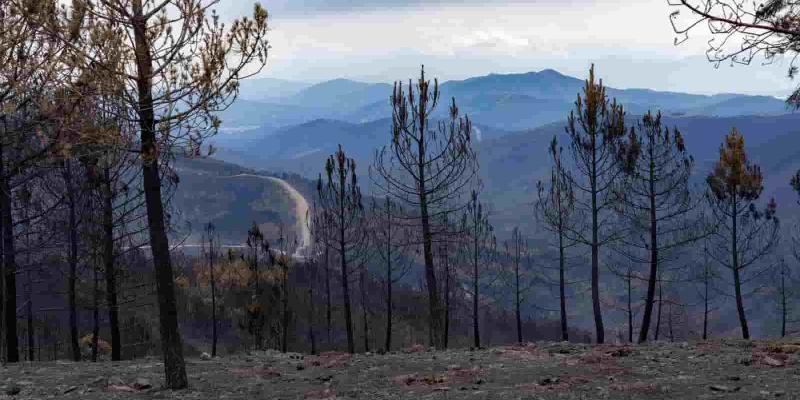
(630, 306)
(213, 283)
(389, 279)
(517, 300)
(598, 316)
(10, 266)
(476, 335)
(311, 311)
(29, 312)
(660, 305)
(95, 311)
(737, 282)
(447, 294)
(29, 289)
(110, 267)
(73, 263)
(783, 301)
(705, 302)
(348, 316)
(258, 337)
(171, 344)
(562, 286)
(435, 312)
(651, 281)
(285, 306)
(364, 310)
(328, 311)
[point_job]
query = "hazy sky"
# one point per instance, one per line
(384, 40)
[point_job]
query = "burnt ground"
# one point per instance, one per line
(705, 370)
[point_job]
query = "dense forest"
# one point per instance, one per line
(106, 109)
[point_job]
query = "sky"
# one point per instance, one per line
(631, 43)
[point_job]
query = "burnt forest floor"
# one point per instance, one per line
(722, 369)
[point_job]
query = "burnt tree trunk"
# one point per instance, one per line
(651, 281)
(737, 280)
(109, 262)
(72, 260)
(171, 344)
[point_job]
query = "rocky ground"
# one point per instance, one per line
(707, 370)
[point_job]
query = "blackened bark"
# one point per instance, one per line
(285, 306)
(660, 305)
(364, 310)
(434, 306)
(447, 294)
(476, 335)
(95, 312)
(110, 267)
(598, 313)
(9, 265)
(171, 345)
(213, 283)
(389, 278)
(737, 281)
(73, 262)
(328, 311)
(651, 281)
(562, 286)
(517, 300)
(705, 303)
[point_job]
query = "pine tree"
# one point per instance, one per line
(555, 207)
(657, 203)
(596, 129)
(426, 167)
(340, 194)
(745, 234)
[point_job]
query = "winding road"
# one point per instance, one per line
(300, 208)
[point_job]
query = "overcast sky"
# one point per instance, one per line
(385, 40)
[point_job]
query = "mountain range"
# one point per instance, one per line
(510, 101)
(514, 117)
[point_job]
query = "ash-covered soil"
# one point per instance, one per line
(705, 370)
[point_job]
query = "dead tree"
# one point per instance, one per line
(555, 208)
(707, 291)
(31, 67)
(480, 244)
(319, 224)
(517, 252)
(744, 234)
(213, 243)
(340, 194)
(390, 241)
(256, 245)
(596, 129)
(176, 66)
(657, 204)
(426, 167)
(362, 277)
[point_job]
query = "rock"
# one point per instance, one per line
(71, 389)
(205, 357)
(98, 381)
(772, 362)
(724, 388)
(13, 390)
(549, 381)
(141, 384)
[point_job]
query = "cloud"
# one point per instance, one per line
(632, 42)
